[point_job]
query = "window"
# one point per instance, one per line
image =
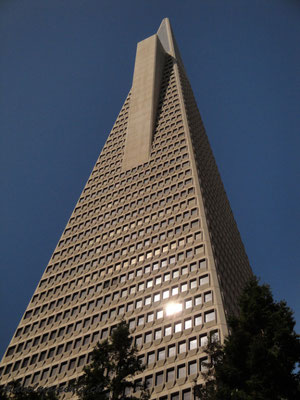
(203, 340)
(149, 283)
(181, 373)
(184, 287)
(175, 290)
(188, 323)
(192, 368)
(150, 317)
(170, 374)
(148, 337)
(150, 358)
(198, 320)
(188, 303)
(193, 284)
(182, 347)
(198, 300)
(147, 300)
(209, 316)
(204, 280)
(192, 343)
(175, 274)
(161, 354)
(138, 340)
(159, 378)
(207, 297)
(141, 286)
(149, 381)
(131, 324)
(159, 314)
(178, 327)
(168, 330)
(156, 297)
(171, 350)
(157, 334)
(187, 394)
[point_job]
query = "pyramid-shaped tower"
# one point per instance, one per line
(152, 240)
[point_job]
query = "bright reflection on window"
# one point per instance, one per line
(173, 308)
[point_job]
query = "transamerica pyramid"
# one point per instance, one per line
(152, 240)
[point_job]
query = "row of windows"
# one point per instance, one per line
(115, 209)
(154, 192)
(189, 202)
(169, 234)
(112, 269)
(94, 305)
(139, 321)
(161, 354)
(175, 197)
(164, 224)
(170, 262)
(91, 290)
(166, 277)
(164, 161)
(139, 222)
(108, 186)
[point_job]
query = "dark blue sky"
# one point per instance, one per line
(65, 69)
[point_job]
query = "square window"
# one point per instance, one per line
(157, 334)
(182, 347)
(203, 340)
(171, 375)
(150, 317)
(161, 354)
(181, 372)
(175, 290)
(156, 297)
(198, 300)
(192, 343)
(168, 330)
(204, 280)
(178, 327)
(207, 297)
(138, 340)
(209, 316)
(175, 274)
(192, 368)
(148, 337)
(159, 378)
(159, 314)
(147, 300)
(198, 320)
(188, 323)
(150, 358)
(188, 303)
(184, 287)
(167, 277)
(193, 284)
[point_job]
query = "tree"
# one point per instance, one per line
(114, 363)
(14, 391)
(260, 355)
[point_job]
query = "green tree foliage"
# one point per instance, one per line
(109, 375)
(260, 356)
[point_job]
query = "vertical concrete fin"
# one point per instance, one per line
(167, 39)
(149, 63)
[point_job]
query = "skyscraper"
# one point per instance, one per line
(152, 239)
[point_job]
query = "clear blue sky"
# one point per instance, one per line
(65, 69)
